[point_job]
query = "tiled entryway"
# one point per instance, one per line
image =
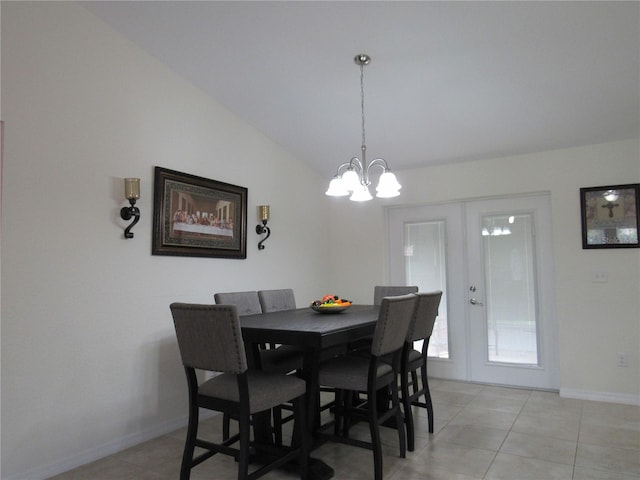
(481, 432)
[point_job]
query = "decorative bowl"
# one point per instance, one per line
(329, 308)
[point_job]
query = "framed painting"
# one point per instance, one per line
(610, 216)
(198, 217)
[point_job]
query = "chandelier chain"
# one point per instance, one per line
(362, 101)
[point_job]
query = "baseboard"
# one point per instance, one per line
(100, 451)
(622, 398)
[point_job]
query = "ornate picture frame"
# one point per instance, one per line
(198, 217)
(610, 216)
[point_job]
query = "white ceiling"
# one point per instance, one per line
(448, 81)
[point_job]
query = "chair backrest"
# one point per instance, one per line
(394, 320)
(247, 303)
(381, 291)
(277, 300)
(425, 315)
(209, 337)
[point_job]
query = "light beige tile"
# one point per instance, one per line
(488, 417)
(511, 467)
(542, 448)
(153, 452)
(582, 473)
(459, 459)
(554, 398)
(420, 472)
(551, 402)
(608, 436)
(470, 421)
(442, 414)
(617, 460)
(473, 436)
(505, 392)
(494, 402)
(611, 415)
(561, 427)
(353, 463)
(445, 397)
(455, 387)
(551, 405)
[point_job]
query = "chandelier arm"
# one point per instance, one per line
(380, 162)
(354, 162)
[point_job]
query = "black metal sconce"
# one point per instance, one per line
(131, 193)
(263, 215)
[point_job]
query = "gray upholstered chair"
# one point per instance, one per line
(277, 300)
(274, 360)
(413, 360)
(354, 373)
(381, 291)
(210, 339)
(247, 303)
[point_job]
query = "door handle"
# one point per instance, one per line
(473, 301)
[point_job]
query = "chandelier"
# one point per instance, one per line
(353, 177)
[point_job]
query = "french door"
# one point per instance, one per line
(493, 260)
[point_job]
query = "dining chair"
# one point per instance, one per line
(354, 373)
(270, 359)
(247, 303)
(277, 300)
(210, 339)
(413, 360)
(274, 360)
(381, 291)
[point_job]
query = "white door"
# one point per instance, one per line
(493, 260)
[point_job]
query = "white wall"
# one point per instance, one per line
(596, 320)
(89, 360)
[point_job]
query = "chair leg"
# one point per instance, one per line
(190, 443)
(243, 457)
(414, 382)
(395, 401)
(346, 418)
(338, 414)
(226, 420)
(300, 416)
(277, 426)
(427, 395)
(375, 435)
(408, 413)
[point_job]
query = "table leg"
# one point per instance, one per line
(318, 470)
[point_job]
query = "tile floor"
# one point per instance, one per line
(481, 432)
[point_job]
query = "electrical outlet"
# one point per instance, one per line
(600, 277)
(623, 361)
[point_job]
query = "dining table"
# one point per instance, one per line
(314, 333)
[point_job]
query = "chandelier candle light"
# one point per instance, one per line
(353, 177)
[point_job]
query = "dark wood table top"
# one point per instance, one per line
(307, 328)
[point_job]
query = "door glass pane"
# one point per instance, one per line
(425, 266)
(512, 331)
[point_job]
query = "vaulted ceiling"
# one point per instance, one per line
(448, 81)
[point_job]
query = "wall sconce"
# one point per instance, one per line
(263, 216)
(131, 193)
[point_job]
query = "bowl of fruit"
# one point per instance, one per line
(330, 304)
